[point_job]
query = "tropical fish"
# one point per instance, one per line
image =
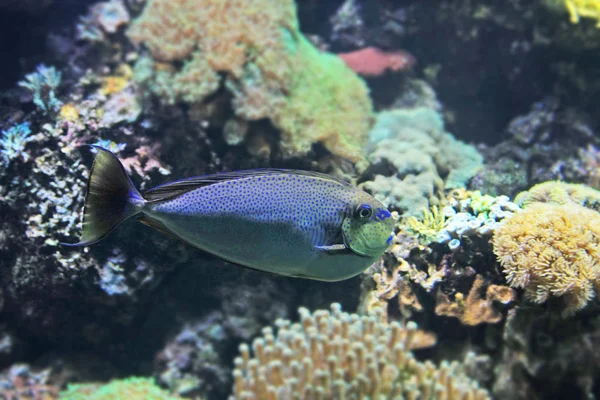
(288, 222)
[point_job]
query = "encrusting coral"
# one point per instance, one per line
(557, 192)
(414, 160)
(335, 355)
(270, 68)
(475, 309)
(130, 389)
(552, 250)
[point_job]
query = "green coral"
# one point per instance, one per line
(134, 388)
(425, 158)
(255, 49)
(427, 227)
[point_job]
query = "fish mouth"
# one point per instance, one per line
(389, 240)
(362, 254)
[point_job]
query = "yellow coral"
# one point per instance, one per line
(335, 355)
(427, 227)
(552, 250)
(585, 9)
(475, 309)
(68, 112)
(557, 192)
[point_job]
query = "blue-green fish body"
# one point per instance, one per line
(292, 223)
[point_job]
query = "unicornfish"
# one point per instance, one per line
(288, 222)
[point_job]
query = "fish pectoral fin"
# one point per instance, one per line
(333, 247)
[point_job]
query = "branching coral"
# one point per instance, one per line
(427, 227)
(585, 9)
(270, 68)
(552, 250)
(394, 285)
(335, 355)
(43, 84)
(13, 141)
(475, 309)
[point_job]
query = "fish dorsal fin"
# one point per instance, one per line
(176, 188)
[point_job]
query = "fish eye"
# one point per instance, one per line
(363, 211)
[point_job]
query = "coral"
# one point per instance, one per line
(422, 156)
(102, 18)
(585, 9)
(270, 68)
(131, 388)
(13, 141)
(410, 195)
(475, 309)
(396, 285)
(43, 84)
(562, 193)
(56, 194)
(119, 108)
(109, 145)
(427, 227)
(20, 382)
(591, 159)
(553, 251)
(190, 364)
(473, 215)
(68, 112)
(144, 161)
(371, 61)
(339, 355)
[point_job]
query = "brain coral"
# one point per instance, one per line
(268, 66)
(557, 192)
(552, 250)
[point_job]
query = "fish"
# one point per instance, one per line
(293, 223)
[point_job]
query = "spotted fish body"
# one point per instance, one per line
(292, 223)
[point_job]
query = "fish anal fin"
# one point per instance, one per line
(159, 226)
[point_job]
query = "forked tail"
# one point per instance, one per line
(111, 198)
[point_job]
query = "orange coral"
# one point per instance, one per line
(552, 250)
(393, 285)
(270, 68)
(475, 309)
(372, 61)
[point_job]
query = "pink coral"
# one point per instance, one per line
(372, 61)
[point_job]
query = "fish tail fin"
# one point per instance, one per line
(111, 198)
